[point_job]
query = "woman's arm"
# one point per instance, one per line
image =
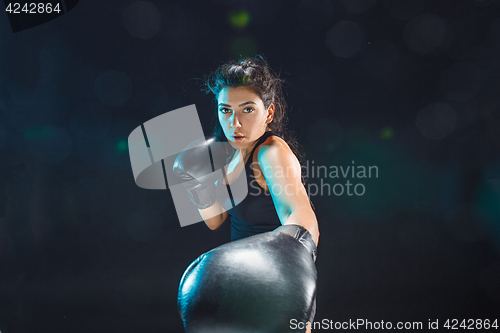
(213, 216)
(282, 172)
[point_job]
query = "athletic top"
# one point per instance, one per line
(256, 213)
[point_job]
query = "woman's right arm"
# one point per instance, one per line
(196, 171)
(213, 216)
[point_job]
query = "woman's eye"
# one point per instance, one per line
(226, 110)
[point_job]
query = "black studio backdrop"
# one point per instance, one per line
(409, 88)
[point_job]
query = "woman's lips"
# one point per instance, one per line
(238, 138)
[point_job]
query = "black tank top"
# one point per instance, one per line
(256, 213)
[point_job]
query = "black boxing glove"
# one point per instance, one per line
(256, 284)
(197, 165)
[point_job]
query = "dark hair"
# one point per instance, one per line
(256, 74)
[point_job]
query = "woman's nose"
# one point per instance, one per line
(234, 122)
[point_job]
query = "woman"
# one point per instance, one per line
(251, 117)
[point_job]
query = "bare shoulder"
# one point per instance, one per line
(275, 150)
(272, 144)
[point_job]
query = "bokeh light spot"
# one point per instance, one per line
(37, 132)
(387, 133)
(239, 19)
(142, 19)
(436, 121)
(427, 33)
(122, 146)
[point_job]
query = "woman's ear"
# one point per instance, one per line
(270, 113)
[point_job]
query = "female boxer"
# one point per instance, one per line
(251, 118)
(249, 111)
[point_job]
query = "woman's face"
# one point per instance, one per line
(242, 116)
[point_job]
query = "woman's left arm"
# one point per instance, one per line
(282, 172)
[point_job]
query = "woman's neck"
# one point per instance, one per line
(247, 151)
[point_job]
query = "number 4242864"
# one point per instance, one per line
(471, 324)
(32, 8)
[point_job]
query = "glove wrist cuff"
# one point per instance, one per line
(203, 198)
(302, 235)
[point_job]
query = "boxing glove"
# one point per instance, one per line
(200, 165)
(256, 284)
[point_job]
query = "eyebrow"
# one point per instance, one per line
(249, 102)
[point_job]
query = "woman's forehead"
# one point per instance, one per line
(230, 95)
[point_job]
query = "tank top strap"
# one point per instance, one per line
(260, 141)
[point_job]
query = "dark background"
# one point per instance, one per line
(412, 87)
